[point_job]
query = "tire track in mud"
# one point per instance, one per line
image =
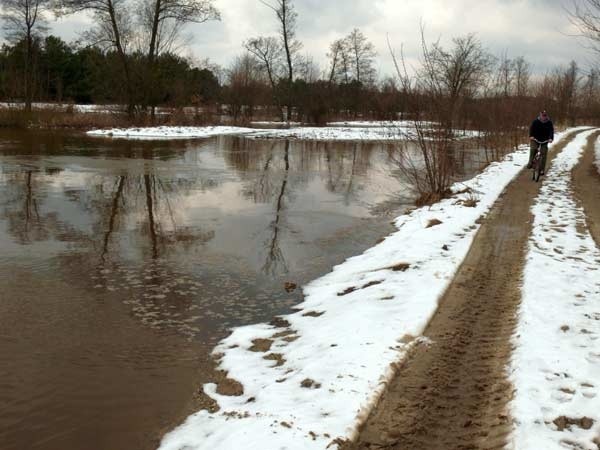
(454, 393)
(586, 185)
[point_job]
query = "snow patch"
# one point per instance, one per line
(350, 133)
(377, 123)
(169, 132)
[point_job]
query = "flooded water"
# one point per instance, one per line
(123, 263)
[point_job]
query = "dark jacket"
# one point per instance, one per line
(542, 131)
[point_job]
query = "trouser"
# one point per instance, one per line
(533, 150)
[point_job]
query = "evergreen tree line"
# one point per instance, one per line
(92, 75)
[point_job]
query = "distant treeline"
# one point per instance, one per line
(502, 90)
(90, 75)
(131, 56)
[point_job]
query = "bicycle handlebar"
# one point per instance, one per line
(542, 142)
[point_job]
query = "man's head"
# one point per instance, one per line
(544, 116)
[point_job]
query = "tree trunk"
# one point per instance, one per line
(124, 61)
(152, 53)
(29, 72)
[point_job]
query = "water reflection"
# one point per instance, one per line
(232, 205)
(123, 263)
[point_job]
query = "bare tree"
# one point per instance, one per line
(113, 29)
(308, 69)
(590, 95)
(362, 52)
(400, 68)
(522, 76)
(246, 85)
(162, 22)
(567, 90)
(24, 20)
(165, 20)
(351, 59)
(445, 79)
(585, 15)
(337, 56)
(287, 18)
(455, 74)
(268, 53)
(505, 75)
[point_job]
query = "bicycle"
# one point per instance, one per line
(536, 165)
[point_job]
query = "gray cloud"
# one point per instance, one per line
(536, 29)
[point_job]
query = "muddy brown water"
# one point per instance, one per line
(123, 263)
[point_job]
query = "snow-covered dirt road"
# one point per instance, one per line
(512, 362)
(556, 365)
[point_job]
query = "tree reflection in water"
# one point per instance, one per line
(274, 170)
(275, 261)
(150, 197)
(139, 221)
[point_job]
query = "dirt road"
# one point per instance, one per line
(586, 184)
(454, 393)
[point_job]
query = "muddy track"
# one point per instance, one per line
(586, 184)
(454, 393)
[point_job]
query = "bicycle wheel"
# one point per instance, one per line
(536, 168)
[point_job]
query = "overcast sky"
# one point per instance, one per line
(536, 29)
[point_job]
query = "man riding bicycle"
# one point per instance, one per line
(541, 133)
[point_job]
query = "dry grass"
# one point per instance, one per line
(430, 198)
(55, 118)
(400, 267)
(470, 203)
(433, 223)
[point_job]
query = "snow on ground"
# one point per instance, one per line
(335, 133)
(311, 377)
(556, 364)
(266, 123)
(169, 132)
(375, 123)
(103, 109)
(351, 133)
(303, 133)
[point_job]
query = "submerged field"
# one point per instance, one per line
(123, 263)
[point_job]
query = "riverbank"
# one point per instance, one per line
(187, 123)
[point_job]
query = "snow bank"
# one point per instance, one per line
(265, 123)
(374, 123)
(302, 133)
(335, 133)
(169, 132)
(556, 364)
(352, 133)
(311, 377)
